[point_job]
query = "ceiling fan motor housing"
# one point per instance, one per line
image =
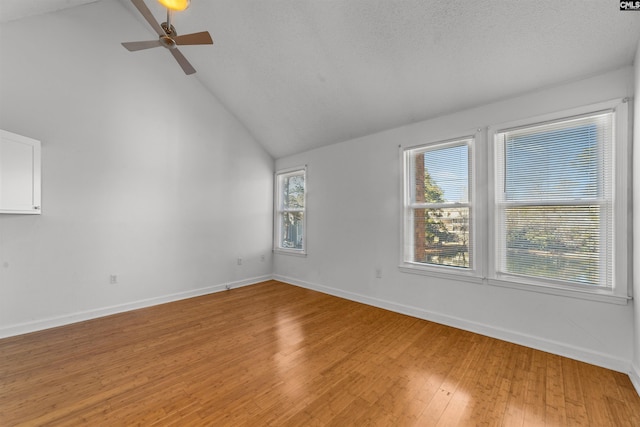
(167, 40)
(169, 29)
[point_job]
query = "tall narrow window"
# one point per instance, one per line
(438, 205)
(554, 201)
(290, 211)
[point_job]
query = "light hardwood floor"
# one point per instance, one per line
(275, 354)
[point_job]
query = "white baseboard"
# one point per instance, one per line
(52, 322)
(538, 343)
(634, 375)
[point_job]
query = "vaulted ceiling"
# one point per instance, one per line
(302, 74)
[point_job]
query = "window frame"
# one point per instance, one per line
(470, 139)
(619, 292)
(279, 210)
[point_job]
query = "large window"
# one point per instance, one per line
(438, 205)
(554, 201)
(540, 204)
(290, 211)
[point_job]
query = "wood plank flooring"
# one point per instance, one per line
(277, 355)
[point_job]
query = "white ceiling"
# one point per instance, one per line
(11, 10)
(305, 73)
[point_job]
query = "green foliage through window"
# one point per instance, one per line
(441, 234)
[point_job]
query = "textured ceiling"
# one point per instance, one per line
(11, 10)
(305, 73)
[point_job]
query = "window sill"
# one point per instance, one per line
(586, 294)
(292, 252)
(451, 273)
(469, 277)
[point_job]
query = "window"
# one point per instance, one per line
(438, 209)
(554, 201)
(540, 204)
(290, 211)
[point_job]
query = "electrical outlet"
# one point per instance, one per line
(239, 261)
(113, 279)
(378, 273)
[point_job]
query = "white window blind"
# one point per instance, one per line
(438, 207)
(554, 201)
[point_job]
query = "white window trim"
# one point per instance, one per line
(276, 213)
(484, 198)
(619, 293)
(471, 274)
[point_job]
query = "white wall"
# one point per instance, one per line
(145, 175)
(353, 229)
(635, 376)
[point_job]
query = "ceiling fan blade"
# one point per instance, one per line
(146, 13)
(186, 66)
(202, 37)
(133, 46)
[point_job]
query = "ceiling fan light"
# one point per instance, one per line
(175, 4)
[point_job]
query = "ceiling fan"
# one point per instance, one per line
(167, 35)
